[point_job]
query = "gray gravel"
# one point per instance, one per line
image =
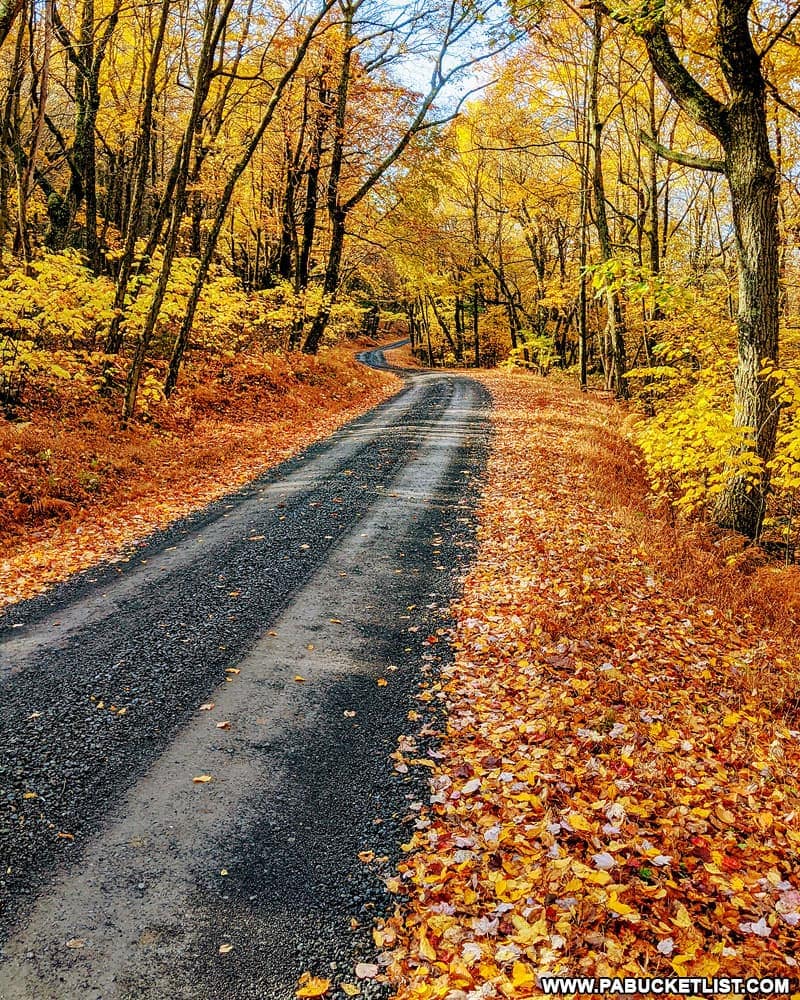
(336, 568)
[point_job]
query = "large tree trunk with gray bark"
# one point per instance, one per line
(740, 125)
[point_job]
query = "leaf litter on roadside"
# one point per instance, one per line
(609, 800)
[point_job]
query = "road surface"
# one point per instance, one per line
(287, 606)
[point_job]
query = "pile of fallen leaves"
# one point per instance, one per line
(77, 488)
(612, 799)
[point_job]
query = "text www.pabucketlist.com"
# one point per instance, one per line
(664, 986)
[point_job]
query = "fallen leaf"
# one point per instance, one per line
(382, 682)
(682, 918)
(223, 725)
(578, 822)
(365, 970)
(523, 976)
(225, 949)
(617, 906)
(76, 943)
(311, 986)
(666, 946)
(426, 949)
(366, 856)
(760, 928)
(202, 779)
(209, 705)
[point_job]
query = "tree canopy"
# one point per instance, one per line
(607, 188)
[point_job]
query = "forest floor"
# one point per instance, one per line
(78, 489)
(616, 791)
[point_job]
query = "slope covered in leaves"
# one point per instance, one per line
(615, 795)
(77, 488)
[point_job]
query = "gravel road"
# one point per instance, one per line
(286, 606)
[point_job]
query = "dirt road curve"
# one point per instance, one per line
(284, 604)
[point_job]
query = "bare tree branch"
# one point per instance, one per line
(780, 32)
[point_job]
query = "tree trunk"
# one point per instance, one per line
(753, 183)
(289, 73)
(740, 126)
(615, 330)
(114, 341)
(9, 11)
(336, 210)
(314, 336)
(212, 29)
(475, 325)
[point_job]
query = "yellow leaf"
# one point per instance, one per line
(225, 949)
(382, 682)
(522, 975)
(617, 906)
(731, 719)
(366, 856)
(310, 986)
(526, 933)
(350, 990)
(202, 779)
(383, 938)
(682, 918)
(426, 949)
(577, 822)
